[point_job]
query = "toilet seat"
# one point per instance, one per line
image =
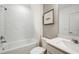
(38, 50)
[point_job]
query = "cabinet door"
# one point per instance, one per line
(53, 50)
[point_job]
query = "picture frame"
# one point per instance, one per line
(48, 17)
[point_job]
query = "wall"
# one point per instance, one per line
(1, 23)
(37, 14)
(22, 22)
(51, 31)
(18, 22)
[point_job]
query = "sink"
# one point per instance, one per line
(71, 45)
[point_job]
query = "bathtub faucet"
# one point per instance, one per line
(2, 38)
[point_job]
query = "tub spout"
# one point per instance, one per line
(2, 39)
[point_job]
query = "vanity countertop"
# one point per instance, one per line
(58, 43)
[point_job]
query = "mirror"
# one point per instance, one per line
(69, 19)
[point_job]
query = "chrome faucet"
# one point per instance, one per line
(75, 41)
(2, 38)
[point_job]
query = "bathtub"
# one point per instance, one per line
(18, 47)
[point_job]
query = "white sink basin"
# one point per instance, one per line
(71, 45)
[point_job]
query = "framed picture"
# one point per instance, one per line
(48, 17)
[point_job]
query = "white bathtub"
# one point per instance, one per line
(18, 47)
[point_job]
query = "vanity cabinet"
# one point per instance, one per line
(53, 50)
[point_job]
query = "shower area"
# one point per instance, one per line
(17, 29)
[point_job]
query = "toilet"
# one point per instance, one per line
(38, 50)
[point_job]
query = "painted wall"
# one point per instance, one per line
(51, 31)
(19, 23)
(22, 22)
(37, 14)
(1, 21)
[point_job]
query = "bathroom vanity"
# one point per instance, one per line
(54, 50)
(61, 45)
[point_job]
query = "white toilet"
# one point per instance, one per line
(38, 50)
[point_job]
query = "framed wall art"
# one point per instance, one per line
(48, 17)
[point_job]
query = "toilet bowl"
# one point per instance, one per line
(38, 50)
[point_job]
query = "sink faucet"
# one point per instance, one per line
(75, 41)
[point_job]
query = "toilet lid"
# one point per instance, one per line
(38, 50)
